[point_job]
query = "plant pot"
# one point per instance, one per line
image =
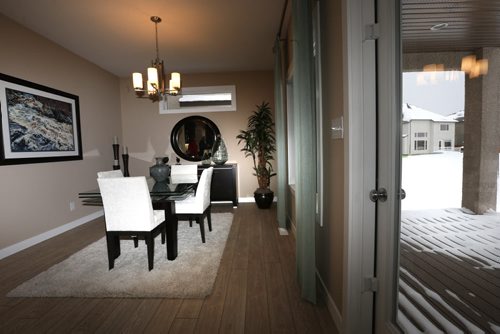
(263, 198)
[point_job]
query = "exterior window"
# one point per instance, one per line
(445, 127)
(420, 145)
(447, 144)
(420, 134)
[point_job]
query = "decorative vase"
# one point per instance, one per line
(126, 172)
(116, 156)
(160, 171)
(219, 152)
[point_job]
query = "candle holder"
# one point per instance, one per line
(125, 165)
(116, 154)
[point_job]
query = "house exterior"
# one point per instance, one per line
(425, 132)
(459, 117)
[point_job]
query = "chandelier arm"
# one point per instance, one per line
(156, 34)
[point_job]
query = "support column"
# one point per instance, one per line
(482, 136)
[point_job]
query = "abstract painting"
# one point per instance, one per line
(38, 123)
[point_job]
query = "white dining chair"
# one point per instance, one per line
(129, 212)
(183, 174)
(197, 207)
(110, 173)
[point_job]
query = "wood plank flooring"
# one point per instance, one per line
(255, 290)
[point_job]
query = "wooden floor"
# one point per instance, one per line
(255, 290)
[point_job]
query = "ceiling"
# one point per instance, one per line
(471, 24)
(224, 35)
(194, 35)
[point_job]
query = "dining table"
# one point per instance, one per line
(163, 197)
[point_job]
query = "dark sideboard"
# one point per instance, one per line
(224, 183)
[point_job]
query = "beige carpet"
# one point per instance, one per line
(86, 274)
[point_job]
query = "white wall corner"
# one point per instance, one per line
(7, 251)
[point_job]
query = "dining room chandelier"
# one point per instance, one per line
(156, 87)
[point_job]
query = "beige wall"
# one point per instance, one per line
(330, 237)
(147, 133)
(35, 197)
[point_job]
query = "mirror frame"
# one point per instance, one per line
(174, 135)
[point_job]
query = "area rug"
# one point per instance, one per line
(86, 274)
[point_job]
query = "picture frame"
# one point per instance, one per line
(37, 123)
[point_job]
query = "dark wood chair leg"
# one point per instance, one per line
(209, 218)
(136, 241)
(117, 245)
(150, 243)
(190, 222)
(201, 222)
(163, 233)
(112, 249)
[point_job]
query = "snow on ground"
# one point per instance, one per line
(434, 181)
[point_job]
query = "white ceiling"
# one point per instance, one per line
(194, 35)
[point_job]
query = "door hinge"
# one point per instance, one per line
(370, 284)
(372, 32)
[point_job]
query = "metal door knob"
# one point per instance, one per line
(378, 195)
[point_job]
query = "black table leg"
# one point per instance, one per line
(171, 229)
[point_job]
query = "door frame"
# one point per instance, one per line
(389, 164)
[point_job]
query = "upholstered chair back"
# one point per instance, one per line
(183, 174)
(203, 190)
(110, 173)
(127, 204)
(201, 200)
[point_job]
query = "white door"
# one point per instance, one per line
(388, 164)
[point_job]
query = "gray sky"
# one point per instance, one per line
(435, 91)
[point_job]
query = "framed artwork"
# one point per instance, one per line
(37, 123)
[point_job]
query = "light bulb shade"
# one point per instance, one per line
(151, 89)
(137, 80)
(175, 80)
(173, 88)
(153, 76)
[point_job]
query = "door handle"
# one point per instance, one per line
(378, 195)
(402, 194)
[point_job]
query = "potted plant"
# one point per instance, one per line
(260, 144)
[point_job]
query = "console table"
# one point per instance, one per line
(224, 182)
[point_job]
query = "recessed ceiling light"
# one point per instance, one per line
(439, 26)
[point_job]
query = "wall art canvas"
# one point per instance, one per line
(38, 123)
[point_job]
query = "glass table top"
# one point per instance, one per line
(158, 191)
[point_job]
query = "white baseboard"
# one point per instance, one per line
(251, 199)
(282, 231)
(332, 308)
(7, 251)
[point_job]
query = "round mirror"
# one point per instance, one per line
(193, 136)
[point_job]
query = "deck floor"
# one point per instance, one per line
(449, 272)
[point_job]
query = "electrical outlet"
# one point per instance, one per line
(71, 205)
